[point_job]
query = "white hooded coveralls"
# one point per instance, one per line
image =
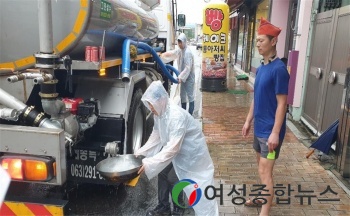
(183, 144)
(185, 65)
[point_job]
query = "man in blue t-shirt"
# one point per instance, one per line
(268, 109)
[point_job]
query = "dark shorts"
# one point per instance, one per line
(260, 146)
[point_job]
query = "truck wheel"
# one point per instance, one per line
(136, 123)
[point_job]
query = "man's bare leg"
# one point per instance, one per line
(265, 173)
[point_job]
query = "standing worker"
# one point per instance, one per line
(176, 138)
(268, 109)
(185, 63)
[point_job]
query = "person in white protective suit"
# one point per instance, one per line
(185, 63)
(176, 138)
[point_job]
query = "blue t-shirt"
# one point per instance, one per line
(271, 79)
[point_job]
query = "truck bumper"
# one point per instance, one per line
(34, 207)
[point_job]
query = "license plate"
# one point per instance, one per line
(82, 168)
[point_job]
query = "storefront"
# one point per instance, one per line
(262, 10)
(246, 19)
(242, 39)
(246, 55)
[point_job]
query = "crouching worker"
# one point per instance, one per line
(176, 138)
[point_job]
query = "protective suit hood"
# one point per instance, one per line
(157, 96)
(183, 39)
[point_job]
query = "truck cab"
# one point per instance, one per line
(167, 27)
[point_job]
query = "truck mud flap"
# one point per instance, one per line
(34, 207)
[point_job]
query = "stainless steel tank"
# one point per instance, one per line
(76, 24)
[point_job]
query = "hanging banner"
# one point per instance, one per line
(215, 40)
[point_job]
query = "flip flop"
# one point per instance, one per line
(256, 203)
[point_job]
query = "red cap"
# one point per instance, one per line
(266, 28)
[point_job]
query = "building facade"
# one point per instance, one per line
(315, 40)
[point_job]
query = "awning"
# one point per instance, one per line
(234, 4)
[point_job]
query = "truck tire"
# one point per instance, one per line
(152, 75)
(136, 123)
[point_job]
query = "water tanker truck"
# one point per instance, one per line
(72, 74)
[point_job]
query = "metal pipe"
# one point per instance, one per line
(32, 70)
(11, 102)
(144, 46)
(43, 78)
(103, 45)
(46, 123)
(16, 78)
(147, 64)
(53, 107)
(112, 148)
(45, 26)
(10, 114)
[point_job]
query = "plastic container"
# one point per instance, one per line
(88, 53)
(94, 54)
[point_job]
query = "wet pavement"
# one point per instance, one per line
(235, 162)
